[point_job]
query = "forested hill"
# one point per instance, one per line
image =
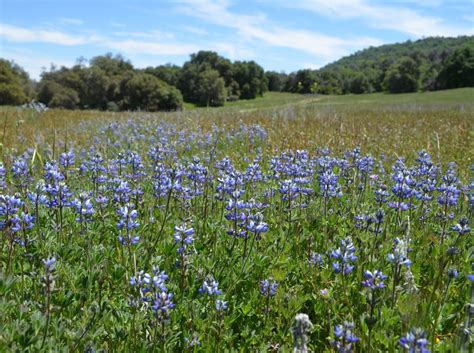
(433, 49)
(426, 64)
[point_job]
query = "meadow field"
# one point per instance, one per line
(210, 230)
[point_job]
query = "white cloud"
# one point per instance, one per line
(154, 34)
(125, 45)
(257, 29)
(19, 34)
(152, 48)
(400, 19)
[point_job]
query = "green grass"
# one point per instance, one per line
(453, 96)
(464, 96)
(269, 100)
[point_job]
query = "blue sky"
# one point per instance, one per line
(282, 35)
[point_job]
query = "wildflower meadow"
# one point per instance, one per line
(270, 231)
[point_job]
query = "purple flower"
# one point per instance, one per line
(415, 341)
(374, 280)
(210, 287)
(268, 288)
(344, 338)
(344, 257)
(184, 237)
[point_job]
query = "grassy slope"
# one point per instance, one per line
(454, 96)
(277, 99)
(269, 100)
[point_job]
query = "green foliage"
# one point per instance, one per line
(65, 98)
(367, 70)
(360, 84)
(210, 90)
(305, 81)
(458, 71)
(11, 91)
(402, 77)
(251, 79)
(168, 73)
(47, 89)
(244, 80)
(276, 80)
(111, 65)
(143, 91)
(94, 88)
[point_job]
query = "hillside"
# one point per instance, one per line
(426, 64)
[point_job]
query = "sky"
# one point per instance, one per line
(280, 35)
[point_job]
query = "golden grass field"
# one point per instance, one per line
(442, 124)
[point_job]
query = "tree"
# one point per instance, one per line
(360, 83)
(11, 92)
(458, 70)
(276, 80)
(47, 89)
(65, 98)
(251, 79)
(94, 89)
(112, 65)
(305, 80)
(168, 73)
(146, 92)
(211, 90)
(402, 76)
(190, 81)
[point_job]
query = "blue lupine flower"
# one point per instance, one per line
(449, 191)
(221, 305)
(399, 256)
(344, 338)
(3, 174)
(49, 263)
(268, 288)
(52, 174)
(184, 237)
(462, 227)
(255, 224)
(415, 341)
(128, 218)
(374, 280)
(9, 207)
(344, 257)
(316, 259)
(453, 273)
(20, 169)
(58, 195)
(328, 183)
(21, 222)
(84, 207)
(210, 287)
(152, 291)
(162, 303)
(67, 159)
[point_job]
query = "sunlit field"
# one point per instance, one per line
(210, 230)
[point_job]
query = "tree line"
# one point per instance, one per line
(111, 82)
